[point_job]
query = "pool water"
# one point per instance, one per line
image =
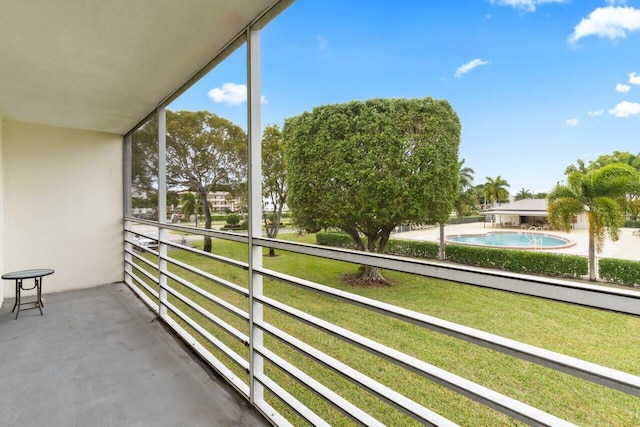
(513, 240)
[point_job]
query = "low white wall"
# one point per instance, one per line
(62, 205)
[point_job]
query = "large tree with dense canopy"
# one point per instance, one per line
(204, 152)
(366, 167)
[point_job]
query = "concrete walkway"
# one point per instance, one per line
(627, 246)
(99, 357)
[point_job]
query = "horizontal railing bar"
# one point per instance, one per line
(218, 280)
(239, 360)
(294, 404)
(153, 305)
(145, 273)
(224, 235)
(337, 401)
(590, 371)
(271, 413)
(384, 393)
(143, 248)
(213, 361)
(143, 259)
(479, 393)
(210, 297)
(220, 258)
(620, 300)
(244, 339)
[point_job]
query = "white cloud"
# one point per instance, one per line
(229, 93)
(612, 22)
(615, 2)
(625, 109)
(232, 94)
(595, 113)
(622, 88)
(572, 122)
(463, 69)
(526, 5)
(634, 79)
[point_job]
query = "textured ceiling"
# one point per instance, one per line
(104, 65)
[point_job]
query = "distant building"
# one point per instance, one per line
(222, 201)
(528, 213)
(269, 206)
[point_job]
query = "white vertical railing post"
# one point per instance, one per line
(255, 210)
(126, 200)
(162, 209)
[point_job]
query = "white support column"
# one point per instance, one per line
(162, 208)
(126, 174)
(126, 202)
(255, 210)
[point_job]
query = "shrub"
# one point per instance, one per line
(338, 240)
(528, 262)
(230, 227)
(413, 248)
(233, 219)
(619, 271)
(632, 224)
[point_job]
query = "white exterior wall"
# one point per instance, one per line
(62, 205)
(1, 211)
(582, 222)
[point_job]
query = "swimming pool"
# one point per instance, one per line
(512, 240)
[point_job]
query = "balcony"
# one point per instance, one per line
(99, 357)
(279, 352)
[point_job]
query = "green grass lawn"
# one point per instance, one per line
(606, 338)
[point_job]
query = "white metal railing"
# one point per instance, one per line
(143, 275)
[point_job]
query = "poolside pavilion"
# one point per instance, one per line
(77, 79)
(526, 213)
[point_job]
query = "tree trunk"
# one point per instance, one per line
(368, 274)
(207, 224)
(441, 254)
(592, 254)
(371, 274)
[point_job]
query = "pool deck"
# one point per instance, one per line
(627, 246)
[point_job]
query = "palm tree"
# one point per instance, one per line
(465, 176)
(601, 193)
(494, 190)
(466, 198)
(523, 194)
(191, 205)
(463, 203)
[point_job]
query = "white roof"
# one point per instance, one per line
(524, 207)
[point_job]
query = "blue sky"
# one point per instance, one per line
(537, 84)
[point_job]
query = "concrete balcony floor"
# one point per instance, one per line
(99, 357)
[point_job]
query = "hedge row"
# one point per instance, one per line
(413, 248)
(620, 271)
(542, 263)
(337, 240)
(529, 262)
(632, 224)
